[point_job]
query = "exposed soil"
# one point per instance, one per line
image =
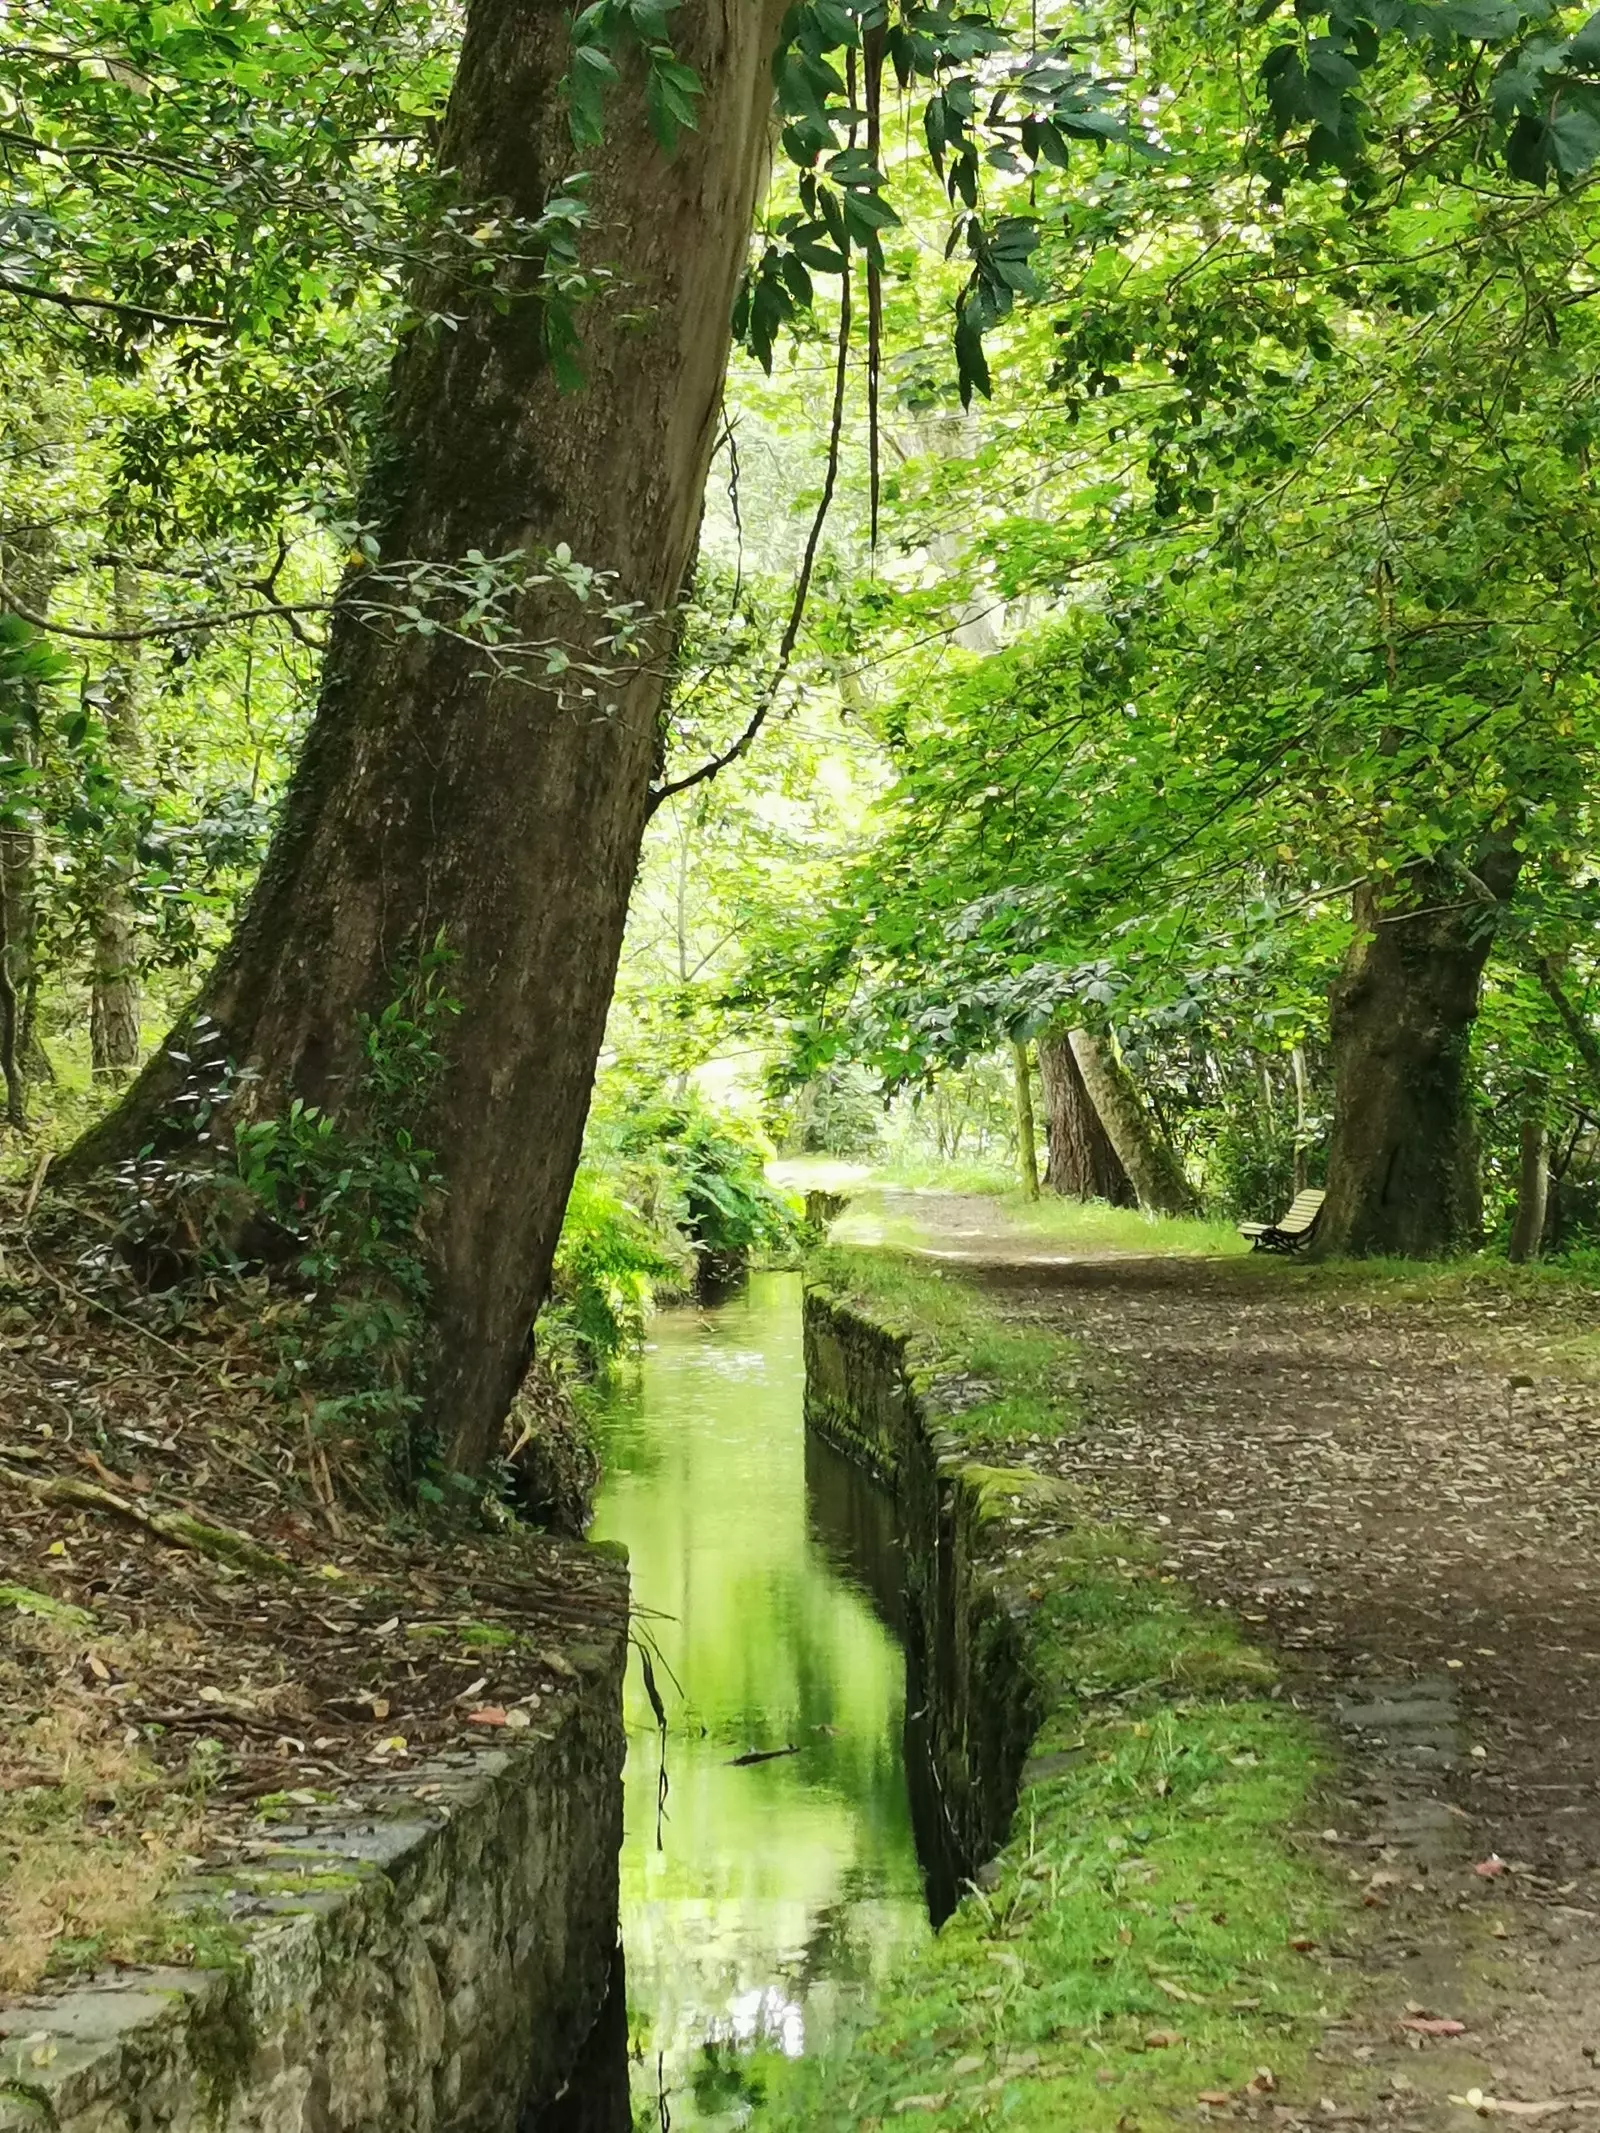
(1402, 1495)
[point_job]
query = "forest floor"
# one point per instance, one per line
(215, 1621)
(1390, 1475)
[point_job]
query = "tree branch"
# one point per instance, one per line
(802, 588)
(1583, 1037)
(216, 618)
(142, 312)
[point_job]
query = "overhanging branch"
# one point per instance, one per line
(797, 608)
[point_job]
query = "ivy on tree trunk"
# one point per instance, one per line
(1403, 1160)
(1082, 1164)
(1146, 1155)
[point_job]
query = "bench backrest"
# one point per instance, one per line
(1307, 1206)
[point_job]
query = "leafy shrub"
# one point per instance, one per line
(837, 1112)
(607, 1265)
(666, 1185)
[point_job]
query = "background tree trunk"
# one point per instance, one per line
(506, 809)
(1302, 1107)
(1027, 1136)
(1403, 1160)
(1082, 1164)
(114, 993)
(1146, 1155)
(1533, 1180)
(29, 564)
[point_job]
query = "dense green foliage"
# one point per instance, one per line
(1155, 504)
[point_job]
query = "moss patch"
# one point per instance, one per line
(1148, 1943)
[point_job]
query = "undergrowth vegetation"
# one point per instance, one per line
(671, 1198)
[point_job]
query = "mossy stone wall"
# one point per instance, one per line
(868, 1394)
(433, 1967)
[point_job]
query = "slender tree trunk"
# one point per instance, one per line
(1146, 1155)
(1027, 1133)
(1082, 1164)
(1533, 1182)
(1302, 1107)
(114, 995)
(1403, 1162)
(31, 568)
(10, 1030)
(505, 809)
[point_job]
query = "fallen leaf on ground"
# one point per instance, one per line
(1509, 2107)
(924, 2103)
(489, 1715)
(1434, 2026)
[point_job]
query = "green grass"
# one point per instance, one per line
(1093, 1226)
(1071, 1225)
(1138, 1948)
(933, 1173)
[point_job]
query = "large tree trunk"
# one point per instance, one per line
(114, 989)
(1403, 1159)
(501, 807)
(1142, 1148)
(1082, 1164)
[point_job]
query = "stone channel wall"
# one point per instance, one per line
(869, 1396)
(433, 1966)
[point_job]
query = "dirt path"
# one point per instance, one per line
(1404, 1499)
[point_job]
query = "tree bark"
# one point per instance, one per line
(30, 568)
(114, 993)
(1027, 1141)
(1533, 1182)
(1146, 1155)
(1081, 1164)
(506, 809)
(1403, 1160)
(1302, 1107)
(10, 1031)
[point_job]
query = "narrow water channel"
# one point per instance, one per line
(764, 1574)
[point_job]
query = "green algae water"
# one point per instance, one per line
(773, 1892)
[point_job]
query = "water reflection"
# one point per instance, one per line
(764, 1570)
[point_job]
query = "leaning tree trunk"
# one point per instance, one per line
(1142, 1148)
(114, 989)
(1403, 1159)
(1081, 1162)
(503, 808)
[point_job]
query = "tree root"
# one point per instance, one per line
(223, 1544)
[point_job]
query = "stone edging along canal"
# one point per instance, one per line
(436, 1962)
(965, 1616)
(1145, 1932)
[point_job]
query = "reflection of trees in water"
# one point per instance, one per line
(852, 1520)
(776, 1566)
(840, 1946)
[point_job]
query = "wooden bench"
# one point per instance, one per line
(1290, 1231)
